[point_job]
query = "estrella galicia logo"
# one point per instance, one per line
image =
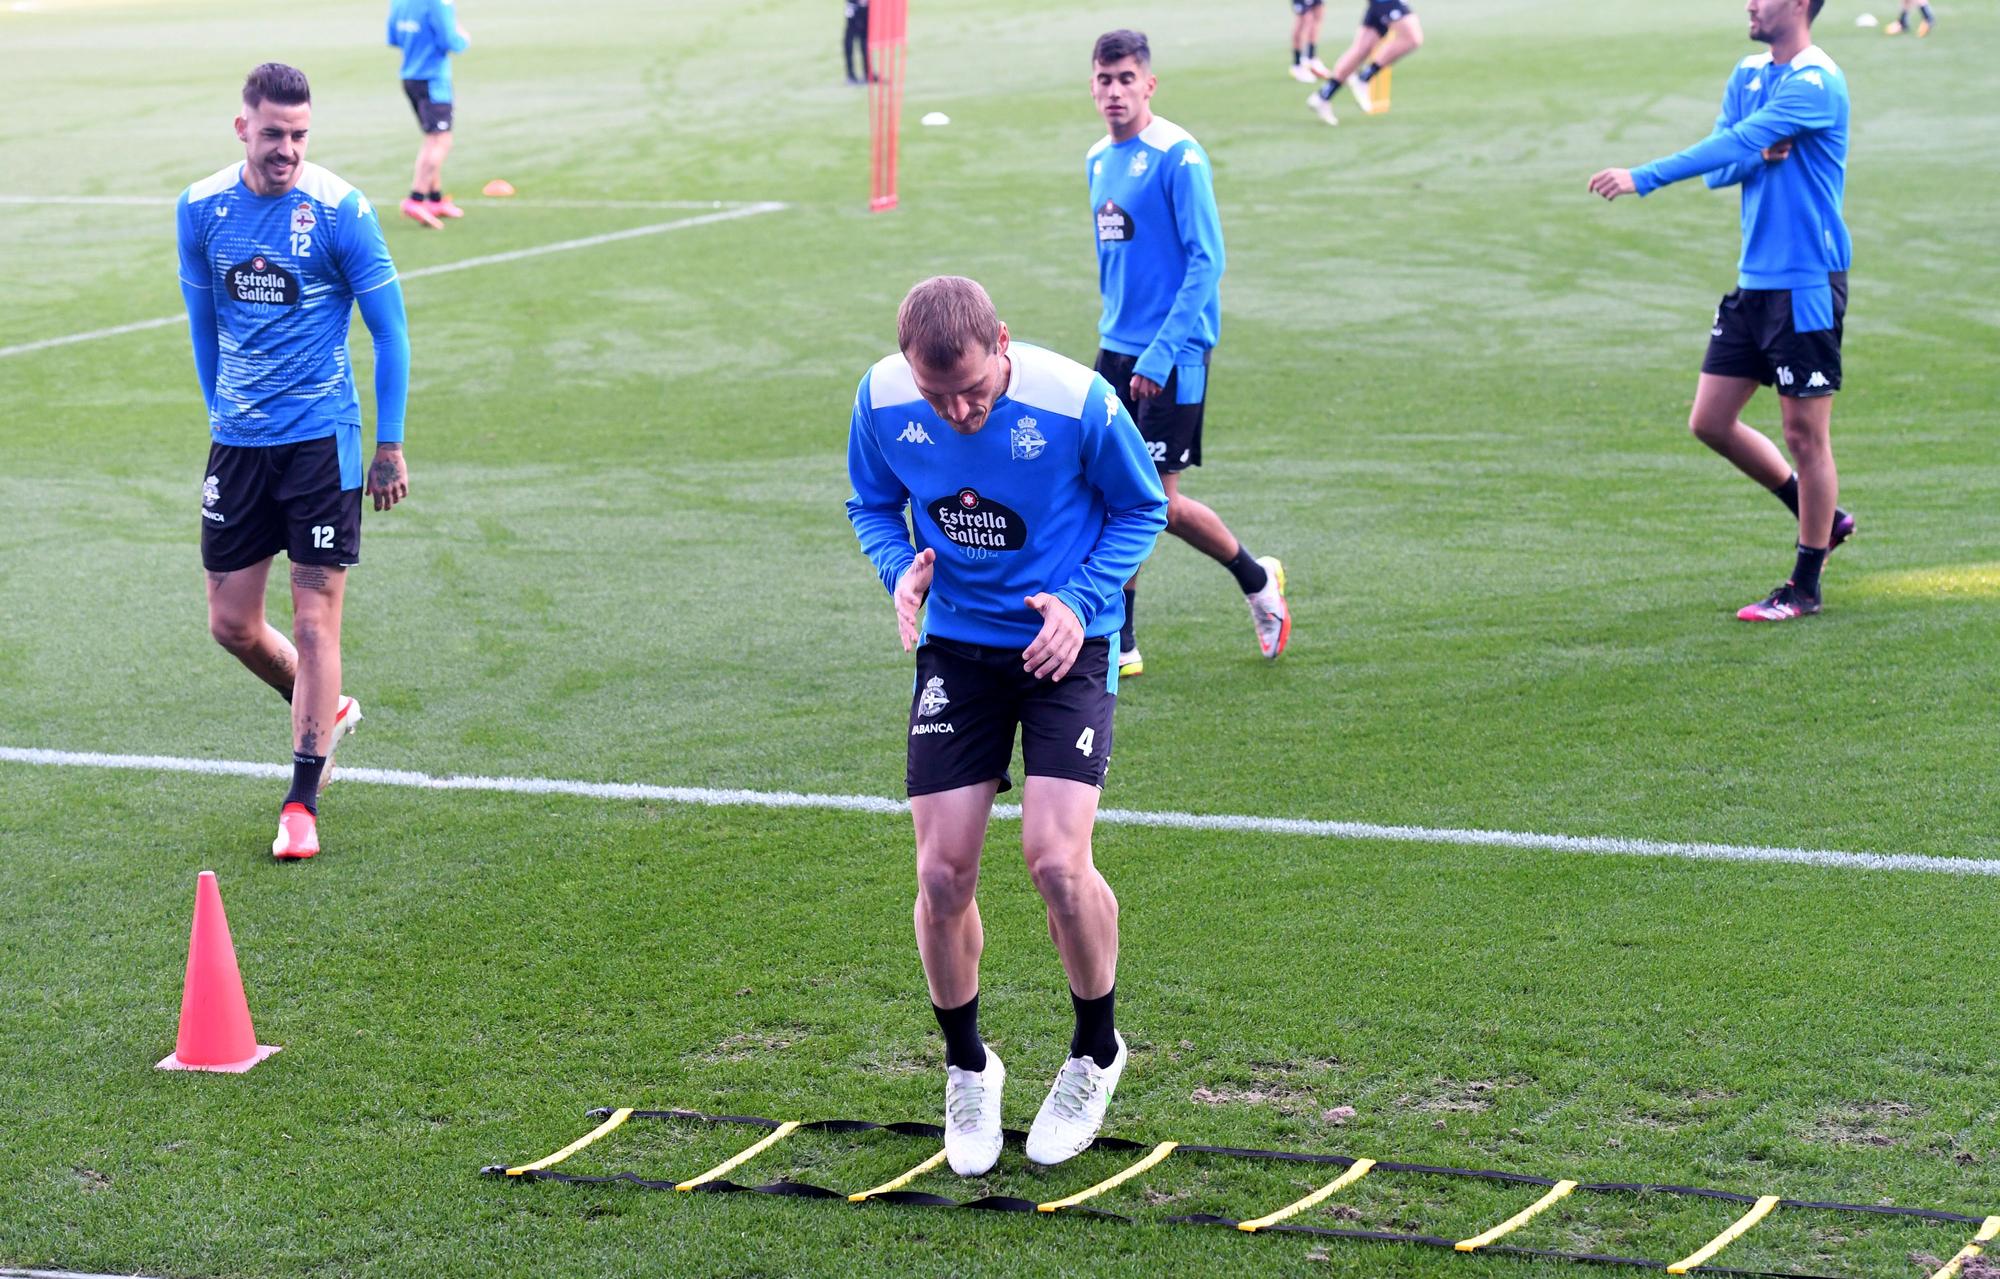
(1027, 440)
(1113, 223)
(262, 280)
(978, 523)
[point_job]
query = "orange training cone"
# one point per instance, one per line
(215, 1018)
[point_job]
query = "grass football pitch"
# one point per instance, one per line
(1451, 394)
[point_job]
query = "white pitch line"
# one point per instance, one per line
(443, 268)
(1827, 859)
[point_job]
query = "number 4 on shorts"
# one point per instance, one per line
(1086, 741)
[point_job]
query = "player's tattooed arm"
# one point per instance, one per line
(388, 476)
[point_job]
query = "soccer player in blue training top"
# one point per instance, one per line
(1390, 24)
(1159, 268)
(274, 255)
(1782, 135)
(1032, 501)
(428, 33)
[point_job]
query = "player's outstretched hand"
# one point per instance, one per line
(1145, 388)
(1778, 150)
(388, 476)
(912, 588)
(1054, 650)
(1612, 183)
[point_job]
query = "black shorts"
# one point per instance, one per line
(970, 697)
(1754, 336)
(1306, 6)
(1172, 431)
(432, 117)
(1383, 14)
(256, 502)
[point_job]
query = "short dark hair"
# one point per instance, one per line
(1812, 9)
(945, 317)
(1116, 46)
(276, 82)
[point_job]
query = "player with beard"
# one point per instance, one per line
(1032, 501)
(275, 254)
(1781, 135)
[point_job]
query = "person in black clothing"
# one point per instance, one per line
(856, 38)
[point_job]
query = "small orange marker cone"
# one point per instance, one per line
(497, 187)
(215, 1017)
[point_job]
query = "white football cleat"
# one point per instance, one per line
(1364, 97)
(1319, 68)
(1269, 613)
(1322, 107)
(346, 714)
(1074, 1110)
(1302, 72)
(972, 1116)
(1130, 663)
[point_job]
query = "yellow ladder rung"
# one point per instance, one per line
(1737, 1229)
(782, 1131)
(1355, 1172)
(1556, 1192)
(618, 1117)
(1989, 1230)
(1158, 1153)
(899, 1182)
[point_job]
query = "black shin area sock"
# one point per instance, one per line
(1094, 1035)
(1805, 573)
(1250, 575)
(962, 1045)
(1128, 634)
(305, 780)
(1788, 493)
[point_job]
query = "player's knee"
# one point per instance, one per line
(1806, 444)
(1179, 509)
(234, 632)
(1060, 877)
(1709, 429)
(945, 887)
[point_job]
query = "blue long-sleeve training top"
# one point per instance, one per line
(269, 283)
(427, 33)
(1159, 251)
(1054, 493)
(1793, 235)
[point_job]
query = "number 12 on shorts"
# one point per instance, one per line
(322, 535)
(1087, 741)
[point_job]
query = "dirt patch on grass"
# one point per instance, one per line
(1867, 1124)
(1452, 1096)
(752, 1044)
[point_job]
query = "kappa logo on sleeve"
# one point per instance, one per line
(978, 523)
(263, 281)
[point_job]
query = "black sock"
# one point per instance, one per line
(1368, 72)
(416, 194)
(305, 780)
(1250, 575)
(1788, 493)
(962, 1045)
(1128, 634)
(1925, 10)
(1093, 1037)
(1312, 51)
(1297, 57)
(435, 196)
(1805, 574)
(286, 694)
(1327, 90)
